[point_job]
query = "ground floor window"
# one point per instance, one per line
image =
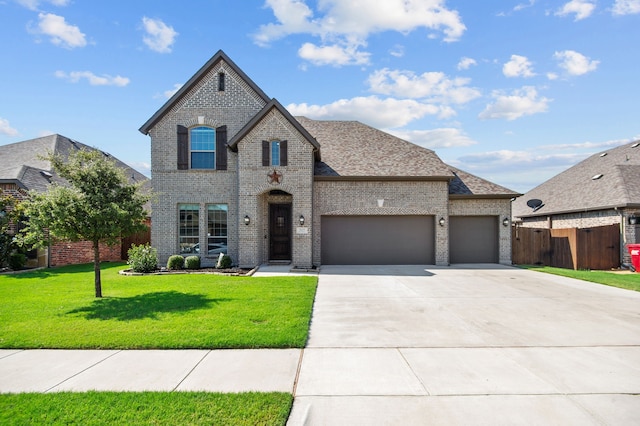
(188, 228)
(216, 229)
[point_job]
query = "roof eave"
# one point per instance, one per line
(590, 209)
(383, 178)
(220, 55)
(482, 196)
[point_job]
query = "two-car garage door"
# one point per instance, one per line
(378, 240)
(406, 240)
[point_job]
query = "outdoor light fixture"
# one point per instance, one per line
(301, 220)
(441, 221)
(633, 219)
(247, 219)
(505, 221)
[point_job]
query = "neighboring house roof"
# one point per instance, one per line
(20, 162)
(274, 104)
(603, 181)
(206, 68)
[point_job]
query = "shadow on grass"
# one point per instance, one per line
(145, 306)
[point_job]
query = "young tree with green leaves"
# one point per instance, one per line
(6, 238)
(98, 204)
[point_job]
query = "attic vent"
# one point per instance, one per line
(596, 177)
(635, 145)
(604, 154)
(46, 174)
(106, 154)
(74, 143)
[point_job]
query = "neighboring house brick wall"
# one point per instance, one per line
(73, 253)
(400, 198)
(501, 208)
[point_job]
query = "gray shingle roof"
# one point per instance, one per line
(352, 150)
(575, 189)
(20, 162)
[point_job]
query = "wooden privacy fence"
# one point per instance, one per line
(137, 239)
(573, 248)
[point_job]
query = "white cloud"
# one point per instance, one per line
(521, 6)
(34, 4)
(552, 76)
(159, 36)
(397, 51)
(581, 8)
(503, 160)
(6, 129)
(333, 55)
(465, 63)
(94, 80)
(379, 113)
(575, 63)
(434, 86)
(521, 102)
(169, 93)
(348, 23)
(435, 138)
(518, 66)
(61, 33)
(626, 7)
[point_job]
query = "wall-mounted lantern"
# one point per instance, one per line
(505, 221)
(247, 219)
(441, 221)
(301, 220)
(633, 219)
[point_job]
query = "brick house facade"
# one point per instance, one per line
(266, 186)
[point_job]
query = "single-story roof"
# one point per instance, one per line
(603, 181)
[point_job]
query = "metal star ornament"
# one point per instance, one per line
(275, 176)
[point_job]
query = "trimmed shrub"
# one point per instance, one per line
(175, 262)
(224, 262)
(192, 262)
(17, 261)
(143, 258)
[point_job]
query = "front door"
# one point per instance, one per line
(279, 231)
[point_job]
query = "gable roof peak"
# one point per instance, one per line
(202, 72)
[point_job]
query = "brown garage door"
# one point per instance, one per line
(378, 240)
(473, 239)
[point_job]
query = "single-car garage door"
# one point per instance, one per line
(378, 240)
(473, 239)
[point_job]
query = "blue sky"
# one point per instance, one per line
(513, 91)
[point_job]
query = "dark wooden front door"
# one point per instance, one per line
(280, 231)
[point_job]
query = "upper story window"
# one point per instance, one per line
(274, 153)
(203, 148)
(221, 82)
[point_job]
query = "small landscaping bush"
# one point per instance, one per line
(224, 262)
(192, 262)
(17, 261)
(175, 262)
(143, 258)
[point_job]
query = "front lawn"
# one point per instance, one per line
(56, 308)
(629, 281)
(145, 408)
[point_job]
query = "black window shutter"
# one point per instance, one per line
(221, 148)
(283, 153)
(265, 153)
(183, 148)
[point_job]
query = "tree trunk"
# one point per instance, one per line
(96, 268)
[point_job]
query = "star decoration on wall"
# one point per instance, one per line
(275, 176)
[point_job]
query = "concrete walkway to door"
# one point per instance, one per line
(468, 344)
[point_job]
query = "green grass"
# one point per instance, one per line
(56, 308)
(628, 281)
(145, 408)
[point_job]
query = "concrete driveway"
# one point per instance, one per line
(468, 344)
